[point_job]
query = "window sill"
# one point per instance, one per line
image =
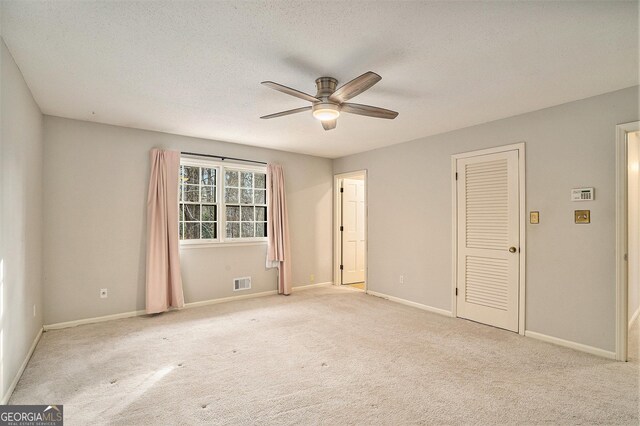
(189, 246)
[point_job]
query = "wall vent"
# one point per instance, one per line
(243, 283)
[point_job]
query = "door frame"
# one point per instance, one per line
(337, 212)
(622, 284)
(520, 147)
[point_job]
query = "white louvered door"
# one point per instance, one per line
(488, 228)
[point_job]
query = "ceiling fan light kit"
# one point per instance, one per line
(324, 111)
(329, 102)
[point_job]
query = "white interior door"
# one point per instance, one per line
(488, 239)
(353, 239)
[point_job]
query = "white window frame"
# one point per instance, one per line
(221, 167)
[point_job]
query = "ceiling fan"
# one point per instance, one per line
(328, 103)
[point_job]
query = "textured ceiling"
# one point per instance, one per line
(194, 68)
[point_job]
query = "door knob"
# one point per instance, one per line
(512, 249)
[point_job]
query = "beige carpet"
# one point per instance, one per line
(321, 356)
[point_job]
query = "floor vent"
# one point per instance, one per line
(243, 283)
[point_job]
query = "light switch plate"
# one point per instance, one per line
(534, 217)
(582, 216)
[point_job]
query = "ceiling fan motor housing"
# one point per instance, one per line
(326, 86)
(325, 109)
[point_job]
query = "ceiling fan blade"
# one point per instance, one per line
(369, 111)
(355, 87)
(329, 124)
(283, 113)
(290, 91)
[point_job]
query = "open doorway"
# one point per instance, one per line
(627, 241)
(351, 230)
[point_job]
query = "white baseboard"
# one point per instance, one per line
(14, 383)
(229, 299)
(634, 317)
(410, 303)
(248, 296)
(569, 344)
(94, 320)
(310, 286)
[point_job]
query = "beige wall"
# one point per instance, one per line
(95, 180)
(634, 222)
(20, 219)
(570, 268)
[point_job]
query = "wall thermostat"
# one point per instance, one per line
(582, 194)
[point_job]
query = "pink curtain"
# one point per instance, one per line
(278, 249)
(164, 283)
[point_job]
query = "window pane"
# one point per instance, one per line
(208, 230)
(181, 231)
(208, 213)
(180, 191)
(192, 193)
(247, 214)
(247, 229)
(191, 212)
(191, 175)
(247, 179)
(260, 180)
(192, 231)
(233, 213)
(261, 214)
(208, 176)
(231, 195)
(231, 178)
(233, 230)
(208, 194)
(261, 229)
(260, 196)
(181, 213)
(246, 196)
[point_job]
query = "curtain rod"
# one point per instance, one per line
(222, 157)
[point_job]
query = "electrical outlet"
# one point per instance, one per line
(401, 279)
(312, 278)
(103, 293)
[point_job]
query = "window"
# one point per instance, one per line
(221, 203)
(245, 197)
